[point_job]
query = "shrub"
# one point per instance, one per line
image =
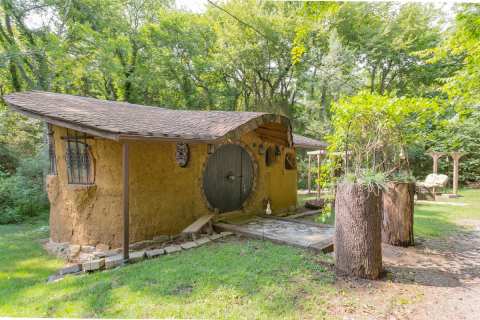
(22, 193)
(377, 131)
(8, 159)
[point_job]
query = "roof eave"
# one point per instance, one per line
(255, 123)
(125, 138)
(65, 124)
(309, 146)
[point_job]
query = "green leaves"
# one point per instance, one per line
(376, 130)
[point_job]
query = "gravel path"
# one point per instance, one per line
(435, 279)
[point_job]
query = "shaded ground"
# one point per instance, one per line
(436, 279)
(439, 278)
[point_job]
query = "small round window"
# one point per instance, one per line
(270, 156)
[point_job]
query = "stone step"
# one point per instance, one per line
(93, 265)
(154, 253)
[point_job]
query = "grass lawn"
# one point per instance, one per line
(432, 220)
(230, 279)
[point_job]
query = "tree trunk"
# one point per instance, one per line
(397, 225)
(358, 248)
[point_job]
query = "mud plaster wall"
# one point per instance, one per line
(164, 198)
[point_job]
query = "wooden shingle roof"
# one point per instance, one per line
(121, 120)
(308, 143)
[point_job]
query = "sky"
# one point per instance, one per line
(35, 21)
(191, 5)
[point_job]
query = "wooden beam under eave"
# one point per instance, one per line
(126, 205)
(274, 126)
(271, 132)
(273, 139)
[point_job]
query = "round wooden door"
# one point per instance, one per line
(228, 177)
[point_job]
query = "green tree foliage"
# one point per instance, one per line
(463, 44)
(460, 128)
(386, 38)
(21, 193)
(376, 131)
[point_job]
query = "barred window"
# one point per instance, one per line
(78, 159)
(51, 151)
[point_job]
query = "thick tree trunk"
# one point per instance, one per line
(397, 225)
(358, 218)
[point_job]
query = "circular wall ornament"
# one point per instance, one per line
(182, 154)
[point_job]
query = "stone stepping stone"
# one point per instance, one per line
(108, 253)
(173, 248)
(136, 256)
(93, 265)
(88, 249)
(226, 233)
(113, 261)
(154, 253)
(215, 236)
(70, 269)
(202, 241)
(188, 245)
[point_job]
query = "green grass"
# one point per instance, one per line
(324, 218)
(302, 198)
(431, 220)
(231, 279)
(435, 220)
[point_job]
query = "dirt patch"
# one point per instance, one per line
(435, 279)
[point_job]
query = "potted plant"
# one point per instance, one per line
(375, 198)
(402, 119)
(358, 199)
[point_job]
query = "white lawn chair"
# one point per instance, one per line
(426, 189)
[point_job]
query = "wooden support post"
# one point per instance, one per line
(309, 173)
(126, 214)
(456, 161)
(318, 176)
(436, 156)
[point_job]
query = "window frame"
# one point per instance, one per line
(78, 159)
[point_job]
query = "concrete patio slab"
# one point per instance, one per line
(303, 234)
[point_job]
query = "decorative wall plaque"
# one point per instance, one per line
(290, 161)
(261, 149)
(182, 154)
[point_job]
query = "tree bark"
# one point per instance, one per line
(358, 248)
(397, 224)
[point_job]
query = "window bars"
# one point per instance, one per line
(78, 159)
(51, 151)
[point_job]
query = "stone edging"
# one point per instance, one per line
(116, 260)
